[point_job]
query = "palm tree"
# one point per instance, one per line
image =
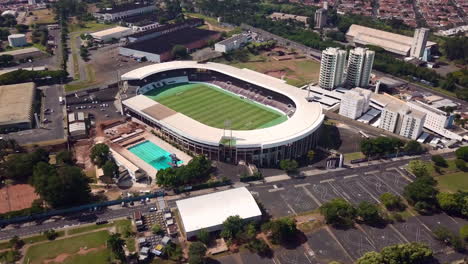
(311, 155)
(116, 245)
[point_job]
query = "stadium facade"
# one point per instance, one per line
(264, 147)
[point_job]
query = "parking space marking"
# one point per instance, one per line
(277, 189)
(371, 195)
(312, 196)
(371, 172)
(350, 176)
(301, 185)
(342, 193)
(401, 173)
(329, 180)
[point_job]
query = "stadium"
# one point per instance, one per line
(225, 113)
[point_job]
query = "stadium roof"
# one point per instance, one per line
(396, 43)
(165, 43)
(16, 103)
(210, 210)
(307, 118)
(122, 8)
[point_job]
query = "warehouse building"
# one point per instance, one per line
(111, 33)
(165, 29)
(232, 43)
(211, 210)
(159, 49)
(23, 53)
(16, 106)
(122, 11)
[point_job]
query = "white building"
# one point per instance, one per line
(232, 43)
(112, 33)
(355, 102)
(389, 117)
(332, 68)
(412, 122)
(17, 40)
(122, 11)
(419, 42)
(320, 18)
(211, 210)
(359, 68)
(31, 2)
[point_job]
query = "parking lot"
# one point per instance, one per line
(100, 104)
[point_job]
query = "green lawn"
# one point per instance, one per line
(453, 182)
(95, 257)
(41, 252)
(353, 156)
(88, 228)
(213, 106)
(39, 238)
(122, 227)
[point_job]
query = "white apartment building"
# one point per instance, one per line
(320, 18)
(123, 11)
(359, 68)
(412, 122)
(389, 117)
(355, 103)
(332, 68)
(419, 42)
(232, 43)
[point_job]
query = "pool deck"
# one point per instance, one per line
(150, 170)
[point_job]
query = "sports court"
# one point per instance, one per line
(212, 106)
(16, 197)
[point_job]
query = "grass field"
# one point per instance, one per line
(43, 16)
(70, 247)
(212, 106)
(453, 182)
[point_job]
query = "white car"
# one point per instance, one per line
(153, 209)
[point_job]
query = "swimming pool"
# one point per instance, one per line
(152, 154)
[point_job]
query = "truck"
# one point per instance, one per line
(61, 101)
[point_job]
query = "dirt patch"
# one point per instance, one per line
(82, 151)
(277, 74)
(16, 197)
(62, 257)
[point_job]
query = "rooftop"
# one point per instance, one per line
(212, 209)
(166, 42)
(232, 39)
(188, 22)
(109, 31)
(122, 8)
(16, 103)
(20, 51)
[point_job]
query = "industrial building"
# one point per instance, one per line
(419, 42)
(16, 106)
(159, 49)
(140, 23)
(125, 10)
(165, 29)
(283, 16)
(209, 211)
(17, 40)
(115, 33)
(23, 53)
(355, 103)
(394, 43)
(232, 43)
(77, 128)
(332, 68)
(359, 68)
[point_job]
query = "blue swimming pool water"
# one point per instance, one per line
(152, 154)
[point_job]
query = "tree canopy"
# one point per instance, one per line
(462, 153)
(283, 230)
(116, 244)
(232, 227)
(410, 253)
(419, 168)
(422, 194)
(100, 154)
(380, 146)
(369, 213)
(338, 212)
(392, 202)
(197, 251)
(196, 170)
(289, 165)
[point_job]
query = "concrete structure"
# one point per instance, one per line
(10, 12)
(165, 29)
(159, 49)
(283, 16)
(418, 46)
(332, 68)
(355, 102)
(77, 128)
(17, 40)
(232, 43)
(395, 43)
(320, 18)
(359, 68)
(389, 117)
(112, 33)
(265, 146)
(16, 105)
(23, 53)
(209, 211)
(31, 2)
(412, 122)
(125, 10)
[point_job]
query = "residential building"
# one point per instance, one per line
(125, 10)
(283, 16)
(232, 43)
(355, 102)
(359, 68)
(389, 117)
(332, 68)
(412, 122)
(419, 42)
(320, 18)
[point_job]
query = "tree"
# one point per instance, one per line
(179, 52)
(464, 232)
(446, 236)
(289, 165)
(51, 234)
(64, 158)
(418, 168)
(197, 251)
(371, 257)
(407, 253)
(311, 155)
(281, 230)
(116, 245)
(232, 227)
(392, 202)
(421, 193)
(100, 154)
(439, 161)
(369, 213)
(461, 165)
(204, 236)
(173, 251)
(110, 169)
(258, 246)
(16, 243)
(157, 229)
(22, 28)
(338, 212)
(462, 153)
(448, 202)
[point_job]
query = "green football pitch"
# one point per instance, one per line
(213, 106)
